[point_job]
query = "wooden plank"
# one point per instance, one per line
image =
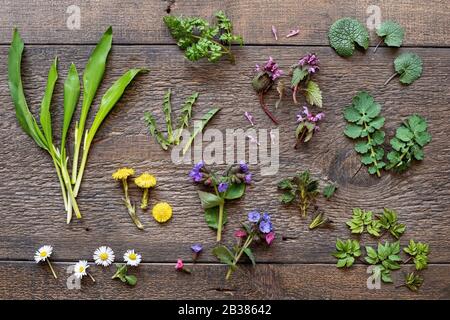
(268, 281)
(31, 207)
(426, 23)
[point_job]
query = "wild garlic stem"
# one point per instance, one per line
(86, 147)
(75, 155)
(61, 182)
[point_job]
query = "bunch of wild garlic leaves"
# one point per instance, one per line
(41, 130)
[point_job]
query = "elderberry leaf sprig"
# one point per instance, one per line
(413, 281)
(199, 39)
(408, 143)
(346, 252)
(389, 221)
(365, 124)
(419, 253)
(385, 258)
(363, 220)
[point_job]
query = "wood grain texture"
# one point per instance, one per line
(31, 205)
(268, 281)
(426, 23)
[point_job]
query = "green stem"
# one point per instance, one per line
(372, 151)
(238, 255)
(219, 227)
(68, 183)
(390, 78)
(144, 202)
(79, 176)
(75, 155)
(61, 182)
(131, 208)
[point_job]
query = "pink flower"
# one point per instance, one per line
(274, 31)
(180, 265)
(310, 62)
(269, 237)
(249, 117)
(272, 68)
(240, 234)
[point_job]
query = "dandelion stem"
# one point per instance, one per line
(390, 78)
(51, 268)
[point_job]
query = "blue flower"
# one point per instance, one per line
(196, 248)
(248, 178)
(266, 217)
(265, 226)
(195, 173)
(243, 166)
(223, 186)
(254, 216)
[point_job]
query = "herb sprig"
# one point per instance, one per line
(200, 40)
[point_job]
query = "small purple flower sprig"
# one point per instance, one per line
(307, 125)
(302, 73)
(265, 77)
(230, 185)
(257, 229)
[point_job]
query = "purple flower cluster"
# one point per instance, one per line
(196, 248)
(244, 169)
(311, 62)
(196, 173)
(262, 220)
(223, 186)
(306, 115)
(271, 68)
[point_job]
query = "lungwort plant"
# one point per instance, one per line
(41, 131)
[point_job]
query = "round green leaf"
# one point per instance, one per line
(409, 66)
(344, 33)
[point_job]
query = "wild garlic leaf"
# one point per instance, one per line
(392, 33)
(344, 33)
(413, 281)
(45, 115)
(365, 122)
(313, 94)
(346, 252)
(409, 66)
(408, 143)
(419, 252)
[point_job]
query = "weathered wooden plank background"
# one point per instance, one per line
(300, 266)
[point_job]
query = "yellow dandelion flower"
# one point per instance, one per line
(145, 180)
(162, 212)
(122, 173)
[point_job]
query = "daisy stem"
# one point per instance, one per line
(90, 276)
(51, 268)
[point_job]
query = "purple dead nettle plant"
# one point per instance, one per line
(266, 76)
(302, 73)
(307, 125)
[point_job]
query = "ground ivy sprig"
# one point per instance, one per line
(122, 175)
(419, 253)
(346, 252)
(365, 124)
(200, 40)
(307, 125)
(258, 228)
(302, 188)
(230, 185)
(408, 143)
(265, 77)
(43, 254)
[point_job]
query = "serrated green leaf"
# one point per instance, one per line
(404, 134)
(313, 94)
(351, 114)
(329, 190)
(167, 110)
(298, 75)
(353, 131)
(392, 33)
(204, 121)
(377, 123)
(409, 66)
(344, 33)
(362, 147)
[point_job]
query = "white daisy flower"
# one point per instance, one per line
(43, 253)
(80, 269)
(131, 258)
(104, 256)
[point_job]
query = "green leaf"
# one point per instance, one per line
(45, 117)
(224, 255)
(404, 134)
(341, 263)
(351, 114)
(285, 184)
(353, 131)
(344, 33)
(23, 113)
(204, 121)
(235, 191)
(167, 110)
(329, 190)
(313, 94)
(413, 281)
(212, 217)
(151, 122)
(371, 252)
(409, 66)
(131, 280)
(392, 33)
(287, 197)
(362, 147)
(250, 255)
(71, 96)
(209, 200)
(298, 75)
(186, 113)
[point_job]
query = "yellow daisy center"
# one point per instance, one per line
(43, 254)
(132, 256)
(103, 256)
(81, 269)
